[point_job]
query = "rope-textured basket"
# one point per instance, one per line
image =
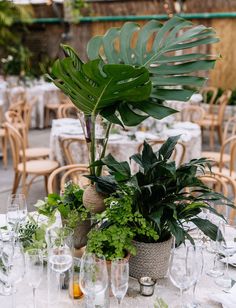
(151, 259)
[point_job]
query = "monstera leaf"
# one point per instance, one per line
(119, 92)
(166, 61)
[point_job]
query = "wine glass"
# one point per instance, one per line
(34, 269)
(199, 268)
(60, 245)
(226, 246)
(216, 271)
(93, 277)
(16, 210)
(182, 268)
(13, 262)
(119, 278)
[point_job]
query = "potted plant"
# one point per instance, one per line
(166, 197)
(125, 82)
(70, 206)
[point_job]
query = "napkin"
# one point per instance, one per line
(228, 300)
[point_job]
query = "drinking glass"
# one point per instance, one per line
(182, 268)
(215, 271)
(34, 269)
(16, 210)
(199, 268)
(226, 246)
(93, 277)
(119, 278)
(60, 254)
(13, 262)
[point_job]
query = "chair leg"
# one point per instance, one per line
(47, 116)
(46, 183)
(24, 185)
(4, 151)
(16, 182)
(219, 130)
(211, 131)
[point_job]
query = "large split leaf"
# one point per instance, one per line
(160, 48)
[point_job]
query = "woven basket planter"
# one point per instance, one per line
(151, 259)
(93, 200)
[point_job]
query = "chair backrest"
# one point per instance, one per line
(230, 144)
(74, 173)
(178, 154)
(223, 101)
(192, 113)
(16, 143)
(225, 185)
(67, 144)
(212, 92)
(67, 110)
(230, 128)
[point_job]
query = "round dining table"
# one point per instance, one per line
(124, 144)
(207, 291)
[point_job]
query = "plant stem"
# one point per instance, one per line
(93, 144)
(99, 168)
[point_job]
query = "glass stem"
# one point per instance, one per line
(34, 297)
(181, 298)
(13, 298)
(194, 290)
(227, 267)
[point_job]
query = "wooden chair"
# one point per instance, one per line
(3, 137)
(52, 108)
(225, 185)
(215, 122)
(213, 92)
(67, 110)
(178, 154)
(67, 143)
(192, 113)
(67, 173)
(22, 167)
(16, 120)
(223, 155)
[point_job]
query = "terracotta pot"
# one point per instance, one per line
(152, 259)
(93, 200)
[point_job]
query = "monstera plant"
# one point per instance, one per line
(130, 72)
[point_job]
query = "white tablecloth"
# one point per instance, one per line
(38, 95)
(122, 146)
(206, 289)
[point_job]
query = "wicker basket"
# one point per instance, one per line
(151, 259)
(93, 200)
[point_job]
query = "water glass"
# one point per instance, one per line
(16, 210)
(119, 278)
(93, 277)
(182, 268)
(34, 269)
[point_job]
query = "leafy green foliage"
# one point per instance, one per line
(166, 70)
(70, 205)
(118, 226)
(167, 196)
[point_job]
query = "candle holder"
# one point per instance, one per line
(147, 286)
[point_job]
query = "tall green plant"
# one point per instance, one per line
(126, 86)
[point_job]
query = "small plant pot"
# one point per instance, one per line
(80, 233)
(93, 200)
(151, 260)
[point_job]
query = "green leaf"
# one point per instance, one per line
(207, 227)
(168, 147)
(177, 34)
(120, 170)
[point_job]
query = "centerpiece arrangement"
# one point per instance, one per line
(130, 72)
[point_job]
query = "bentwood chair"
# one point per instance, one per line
(3, 137)
(178, 154)
(215, 122)
(192, 113)
(52, 108)
(224, 155)
(74, 173)
(24, 168)
(67, 144)
(225, 185)
(67, 110)
(17, 121)
(212, 92)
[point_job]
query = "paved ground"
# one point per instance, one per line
(36, 138)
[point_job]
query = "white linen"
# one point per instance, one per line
(123, 147)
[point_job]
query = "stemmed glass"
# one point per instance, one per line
(13, 266)
(119, 278)
(93, 277)
(226, 248)
(60, 254)
(199, 268)
(16, 210)
(34, 269)
(182, 268)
